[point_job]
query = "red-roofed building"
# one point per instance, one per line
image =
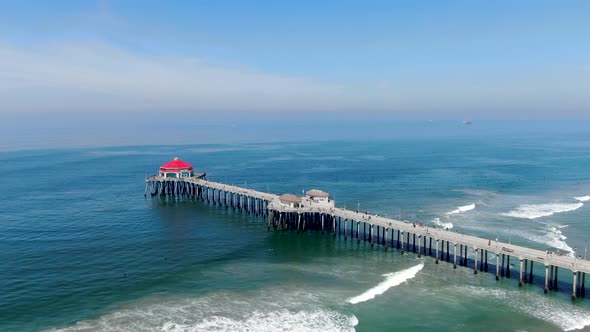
(177, 169)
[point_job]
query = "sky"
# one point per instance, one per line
(441, 59)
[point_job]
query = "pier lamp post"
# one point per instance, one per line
(358, 206)
(585, 250)
(509, 234)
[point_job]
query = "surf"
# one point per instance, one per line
(462, 209)
(534, 211)
(446, 225)
(391, 280)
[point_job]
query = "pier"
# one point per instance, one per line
(317, 212)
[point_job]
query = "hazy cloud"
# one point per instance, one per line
(94, 77)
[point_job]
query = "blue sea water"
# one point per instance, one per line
(81, 248)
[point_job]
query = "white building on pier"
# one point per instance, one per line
(290, 200)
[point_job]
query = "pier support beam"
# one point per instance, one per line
(583, 292)
(419, 245)
(345, 230)
(508, 266)
(358, 231)
(475, 263)
(448, 251)
(454, 255)
(436, 251)
(546, 289)
(555, 287)
(465, 257)
(372, 237)
(497, 266)
(520, 272)
(574, 288)
(531, 274)
(333, 225)
(402, 241)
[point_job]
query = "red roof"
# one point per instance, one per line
(176, 164)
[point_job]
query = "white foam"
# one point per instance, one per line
(391, 280)
(446, 225)
(272, 309)
(462, 209)
(553, 310)
(534, 211)
(551, 236)
(556, 239)
(281, 320)
(582, 198)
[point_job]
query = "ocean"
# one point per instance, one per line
(82, 249)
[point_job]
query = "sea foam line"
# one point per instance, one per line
(582, 198)
(462, 209)
(391, 280)
(534, 211)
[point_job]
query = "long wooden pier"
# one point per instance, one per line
(443, 245)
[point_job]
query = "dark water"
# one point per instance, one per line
(82, 249)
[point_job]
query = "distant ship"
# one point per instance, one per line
(467, 122)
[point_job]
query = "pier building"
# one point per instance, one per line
(317, 196)
(177, 169)
(290, 212)
(289, 200)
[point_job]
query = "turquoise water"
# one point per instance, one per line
(82, 249)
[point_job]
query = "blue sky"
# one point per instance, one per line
(494, 57)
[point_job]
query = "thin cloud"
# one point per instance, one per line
(95, 77)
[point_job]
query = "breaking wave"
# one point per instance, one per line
(534, 211)
(462, 209)
(391, 280)
(263, 311)
(281, 320)
(446, 225)
(554, 238)
(582, 198)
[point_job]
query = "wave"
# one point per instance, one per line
(462, 209)
(557, 240)
(582, 198)
(446, 225)
(281, 320)
(534, 211)
(274, 309)
(552, 237)
(552, 310)
(391, 280)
